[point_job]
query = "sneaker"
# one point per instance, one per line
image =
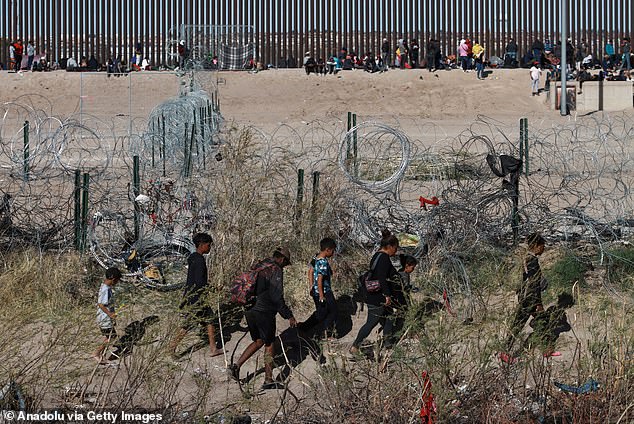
(234, 371)
(551, 354)
(273, 385)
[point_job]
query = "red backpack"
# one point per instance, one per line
(243, 287)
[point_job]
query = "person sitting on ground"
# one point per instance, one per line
(330, 64)
(511, 51)
(380, 63)
(310, 64)
(136, 60)
(369, 65)
(93, 65)
(549, 324)
(380, 298)
(261, 317)
(606, 64)
(106, 316)
(71, 64)
(194, 308)
(321, 66)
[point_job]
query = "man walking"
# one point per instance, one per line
(261, 318)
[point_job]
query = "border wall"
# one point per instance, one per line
(284, 29)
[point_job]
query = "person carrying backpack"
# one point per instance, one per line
(260, 318)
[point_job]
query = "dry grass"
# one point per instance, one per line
(48, 330)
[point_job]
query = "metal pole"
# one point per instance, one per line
(300, 193)
(354, 146)
(136, 189)
(348, 147)
(26, 151)
(164, 153)
(81, 99)
(77, 196)
(315, 192)
(84, 211)
(563, 106)
(130, 106)
(526, 147)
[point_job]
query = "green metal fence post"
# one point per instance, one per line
(300, 194)
(348, 141)
(77, 214)
(315, 198)
(164, 152)
(526, 147)
(26, 151)
(136, 190)
(354, 146)
(84, 211)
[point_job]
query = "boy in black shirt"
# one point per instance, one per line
(194, 309)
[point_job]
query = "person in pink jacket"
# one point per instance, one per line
(463, 52)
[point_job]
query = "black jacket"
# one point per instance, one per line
(270, 291)
(385, 272)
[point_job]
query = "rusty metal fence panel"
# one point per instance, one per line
(283, 30)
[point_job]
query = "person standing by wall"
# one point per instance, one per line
(463, 54)
(626, 52)
(430, 57)
(385, 54)
(12, 56)
(414, 54)
(19, 50)
(478, 55)
(30, 54)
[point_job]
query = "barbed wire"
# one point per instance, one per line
(575, 180)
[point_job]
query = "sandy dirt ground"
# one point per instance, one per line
(450, 100)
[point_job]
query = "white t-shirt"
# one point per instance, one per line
(535, 73)
(105, 298)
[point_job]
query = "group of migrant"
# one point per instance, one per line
(258, 294)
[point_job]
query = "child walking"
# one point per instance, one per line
(195, 310)
(549, 324)
(529, 293)
(321, 291)
(536, 74)
(402, 288)
(106, 316)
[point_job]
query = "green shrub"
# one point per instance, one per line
(620, 267)
(567, 270)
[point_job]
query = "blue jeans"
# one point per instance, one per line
(464, 62)
(375, 314)
(480, 69)
(626, 61)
